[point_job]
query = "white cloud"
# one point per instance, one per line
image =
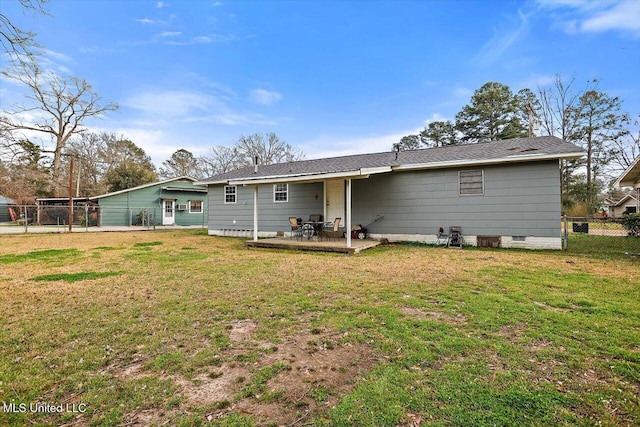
(503, 39)
(536, 80)
(334, 146)
(170, 34)
(202, 40)
(585, 16)
(624, 16)
(264, 97)
(161, 4)
(170, 103)
(145, 21)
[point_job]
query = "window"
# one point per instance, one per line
(230, 194)
(471, 183)
(280, 193)
(629, 210)
(195, 206)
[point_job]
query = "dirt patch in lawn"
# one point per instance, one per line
(314, 370)
(241, 330)
(283, 383)
(418, 314)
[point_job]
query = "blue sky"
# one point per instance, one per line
(331, 77)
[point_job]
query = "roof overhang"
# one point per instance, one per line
(480, 162)
(366, 172)
(631, 176)
(310, 177)
(185, 189)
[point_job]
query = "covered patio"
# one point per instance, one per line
(338, 245)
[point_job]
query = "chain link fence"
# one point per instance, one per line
(600, 235)
(16, 218)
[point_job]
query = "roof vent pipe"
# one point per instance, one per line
(255, 164)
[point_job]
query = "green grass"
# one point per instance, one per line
(603, 246)
(190, 329)
(74, 277)
(146, 244)
(39, 256)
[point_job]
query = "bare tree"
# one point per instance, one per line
(222, 159)
(559, 111)
(267, 148)
(626, 148)
(181, 163)
(560, 115)
(57, 109)
(15, 41)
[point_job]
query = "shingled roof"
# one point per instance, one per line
(495, 152)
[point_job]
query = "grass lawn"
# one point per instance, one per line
(180, 328)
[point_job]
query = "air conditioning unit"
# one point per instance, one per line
(182, 207)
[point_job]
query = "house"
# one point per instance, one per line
(5, 203)
(631, 178)
(626, 205)
(505, 190)
(175, 201)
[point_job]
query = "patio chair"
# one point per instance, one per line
(455, 239)
(296, 229)
(333, 229)
(443, 237)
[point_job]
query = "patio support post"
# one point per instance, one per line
(255, 213)
(348, 223)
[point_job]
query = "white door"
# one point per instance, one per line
(334, 191)
(168, 212)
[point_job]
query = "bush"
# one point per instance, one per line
(631, 223)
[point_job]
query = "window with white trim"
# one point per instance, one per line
(280, 193)
(195, 206)
(230, 194)
(471, 182)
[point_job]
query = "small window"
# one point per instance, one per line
(281, 193)
(195, 206)
(230, 194)
(471, 183)
(519, 238)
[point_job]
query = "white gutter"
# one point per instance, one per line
(501, 160)
(625, 179)
(311, 177)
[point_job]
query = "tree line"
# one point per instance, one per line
(585, 116)
(38, 138)
(106, 162)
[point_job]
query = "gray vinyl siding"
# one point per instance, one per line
(518, 200)
(123, 208)
(304, 200)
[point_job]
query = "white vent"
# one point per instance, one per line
(182, 207)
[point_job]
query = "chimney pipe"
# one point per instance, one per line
(255, 164)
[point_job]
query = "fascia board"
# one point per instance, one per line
(475, 162)
(357, 174)
(626, 179)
